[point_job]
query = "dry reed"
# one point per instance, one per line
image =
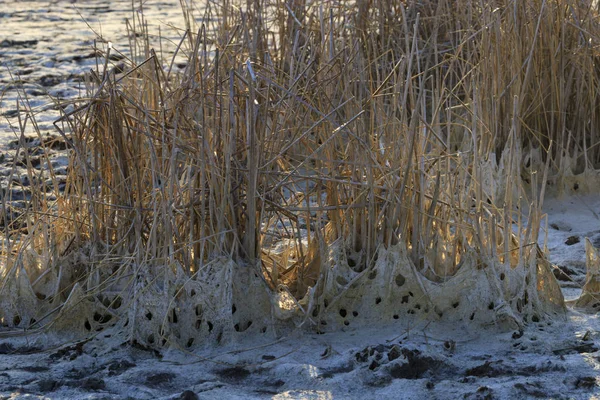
(297, 125)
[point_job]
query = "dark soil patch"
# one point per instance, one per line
(416, 366)
(160, 379)
(89, 384)
(81, 373)
(50, 80)
(139, 346)
(33, 160)
(571, 240)
(7, 348)
(596, 241)
(188, 395)
(535, 370)
(10, 113)
(275, 384)
(49, 385)
(586, 382)
(382, 357)
(69, 352)
(119, 366)
(81, 57)
(340, 369)
(580, 348)
(17, 43)
(35, 368)
(236, 373)
(531, 389)
(563, 273)
(486, 369)
(482, 393)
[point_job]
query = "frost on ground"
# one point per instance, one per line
(557, 359)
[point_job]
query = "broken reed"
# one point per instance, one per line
(372, 122)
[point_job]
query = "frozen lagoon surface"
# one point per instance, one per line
(45, 48)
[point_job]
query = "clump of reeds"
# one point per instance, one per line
(301, 124)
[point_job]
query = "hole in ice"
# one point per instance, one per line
(149, 316)
(117, 302)
(455, 304)
(343, 312)
(210, 326)
(87, 325)
(104, 318)
(341, 280)
(400, 280)
(241, 327)
(190, 342)
(378, 300)
(233, 309)
(16, 320)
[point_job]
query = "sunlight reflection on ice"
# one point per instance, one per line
(304, 394)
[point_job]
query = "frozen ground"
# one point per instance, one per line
(45, 47)
(558, 360)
